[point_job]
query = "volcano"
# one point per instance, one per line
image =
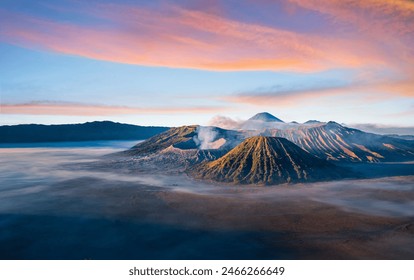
(182, 136)
(267, 160)
(191, 137)
(265, 117)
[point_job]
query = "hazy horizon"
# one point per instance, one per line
(215, 121)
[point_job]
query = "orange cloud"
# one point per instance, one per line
(390, 23)
(367, 92)
(75, 109)
(184, 38)
(394, 16)
(285, 99)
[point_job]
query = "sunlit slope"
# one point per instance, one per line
(266, 160)
(178, 135)
(333, 141)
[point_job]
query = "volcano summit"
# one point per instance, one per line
(267, 160)
(265, 117)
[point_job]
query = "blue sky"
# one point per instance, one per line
(184, 62)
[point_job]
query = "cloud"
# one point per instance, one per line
(390, 23)
(386, 26)
(80, 109)
(373, 16)
(176, 37)
(384, 129)
(225, 122)
(373, 89)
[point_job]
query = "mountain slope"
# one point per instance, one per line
(188, 137)
(333, 141)
(266, 160)
(173, 159)
(177, 135)
(90, 131)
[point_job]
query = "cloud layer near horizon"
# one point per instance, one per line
(79, 109)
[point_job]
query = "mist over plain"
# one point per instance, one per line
(57, 196)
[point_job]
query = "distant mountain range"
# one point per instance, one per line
(90, 131)
(261, 150)
(268, 151)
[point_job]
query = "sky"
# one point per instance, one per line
(185, 62)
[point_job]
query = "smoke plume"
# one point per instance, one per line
(206, 138)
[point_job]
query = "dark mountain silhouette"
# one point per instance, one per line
(106, 130)
(267, 160)
(265, 117)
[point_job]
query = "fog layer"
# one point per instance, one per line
(55, 198)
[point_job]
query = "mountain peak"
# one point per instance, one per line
(332, 124)
(312, 122)
(265, 117)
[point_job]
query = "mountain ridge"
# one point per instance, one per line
(335, 142)
(89, 131)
